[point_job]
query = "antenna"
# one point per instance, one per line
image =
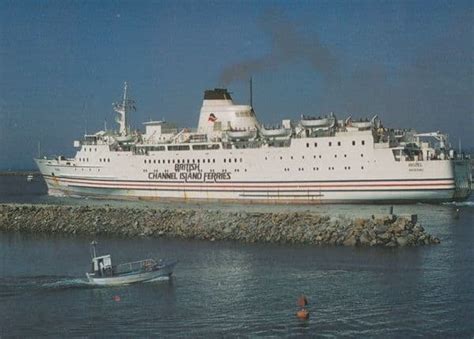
(251, 93)
(93, 245)
(127, 105)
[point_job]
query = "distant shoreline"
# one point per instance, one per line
(19, 173)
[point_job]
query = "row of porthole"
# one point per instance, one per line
(188, 161)
(178, 161)
(338, 143)
(317, 168)
(314, 157)
(90, 169)
(90, 149)
(100, 159)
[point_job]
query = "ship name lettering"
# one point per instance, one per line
(187, 167)
(155, 175)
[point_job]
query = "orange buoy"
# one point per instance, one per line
(302, 301)
(303, 314)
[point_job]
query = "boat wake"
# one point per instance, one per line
(164, 278)
(15, 286)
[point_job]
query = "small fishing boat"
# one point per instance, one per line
(105, 274)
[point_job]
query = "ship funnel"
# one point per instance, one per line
(220, 114)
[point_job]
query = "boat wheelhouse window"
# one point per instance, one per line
(178, 148)
(335, 155)
(361, 167)
(169, 161)
(213, 160)
(315, 144)
(205, 147)
(154, 161)
(361, 155)
(363, 142)
(307, 144)
(338, 143)
(330, 143)
(224, 160)
(345, 155)
(353, 142)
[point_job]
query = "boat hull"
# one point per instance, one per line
(131, 278)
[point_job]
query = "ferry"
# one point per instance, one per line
(232, 157)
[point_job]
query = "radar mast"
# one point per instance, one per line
(122, 108)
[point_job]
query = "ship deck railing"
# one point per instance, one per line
(134, 266)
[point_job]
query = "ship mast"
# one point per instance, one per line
(122, 108)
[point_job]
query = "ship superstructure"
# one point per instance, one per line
(231, 156)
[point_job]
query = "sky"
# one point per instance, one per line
(63, 64)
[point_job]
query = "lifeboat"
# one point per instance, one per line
(241, 134)
(275, 132)
(315, 122)
(362, 124)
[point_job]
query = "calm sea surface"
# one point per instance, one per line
(235, 289)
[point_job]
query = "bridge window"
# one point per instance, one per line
(363, 142)
(353, 142)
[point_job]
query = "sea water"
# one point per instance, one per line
(236, 289)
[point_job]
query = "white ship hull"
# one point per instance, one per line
(292, 175)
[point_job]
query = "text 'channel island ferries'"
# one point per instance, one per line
(233, 157)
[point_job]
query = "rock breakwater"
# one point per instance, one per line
(284, 227)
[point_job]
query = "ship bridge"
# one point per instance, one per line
(220, 114)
